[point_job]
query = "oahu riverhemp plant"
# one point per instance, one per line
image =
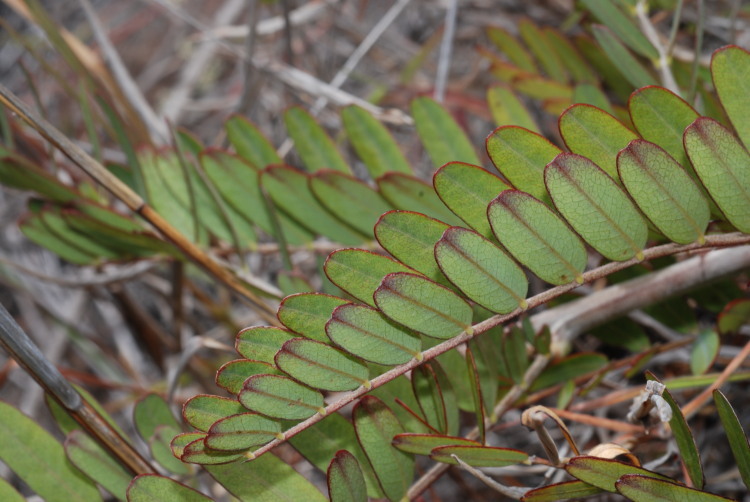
(411, 360)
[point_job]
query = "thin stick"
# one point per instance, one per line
(157, 128)
(446, 49)
(134, 202)
(693, 406)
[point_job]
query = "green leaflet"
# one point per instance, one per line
(169, 192)
(373, 143)
(467, 190)
(359, 272)
(321, 366)
(730, 68)
(232, 375)
(723, 166)
(543, 50)
(737, 439)
(366, 333)
(190, 447)
(537, 237)
(94, 461)
(250, 143)
(605, 68)
(449, 391)
(512, 48)
(151, 487)
(733, 316)
(412, 194)
(35, 228)
(280, 397)
(18, 172)
(592, 95)
(441, 136)
(481, 270)
(507, 109)
(514, 352)
(411, 238)
(423, 444)
(157, 426)
(555, 96)
(289, 190)
(349, 199)
(308, 313)
(627, 64)
(238, 183)
(479, 456)
(203, 410)
(596, 207)
(261, 343)
(574, 63)
(160, 446)
(318, 444)
(241, 432)
(594, 133)
(660, 116)
(37, 458)
(704, 351)
(9, 494)
(422, 305)
(375, 425)
(480, 408)
(640, 488)
(561, 491)
(608, 13)
(312, 143)
(664, 192)
(603, 473)
(427, 390)
(265, 479)
(685, 442)
(520, 155)
(122, 243)
(345, 480)
(149, 413)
